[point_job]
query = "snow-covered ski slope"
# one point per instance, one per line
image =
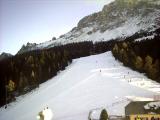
(88, 83)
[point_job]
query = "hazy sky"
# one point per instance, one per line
(36, 21)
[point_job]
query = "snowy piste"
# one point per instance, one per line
(89, 83)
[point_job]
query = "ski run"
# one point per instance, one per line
(89, 83)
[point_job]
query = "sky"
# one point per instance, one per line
(37, 21)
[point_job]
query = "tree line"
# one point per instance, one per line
(24, 72)
(142, 56)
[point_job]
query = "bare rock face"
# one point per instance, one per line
(54, 38)
(116, 13)
(27, 47)
(118, 19)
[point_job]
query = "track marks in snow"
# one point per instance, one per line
(89, 82)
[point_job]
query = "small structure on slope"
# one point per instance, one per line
(143, 110)
(142, 107)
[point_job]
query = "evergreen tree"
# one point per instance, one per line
(104, 115)
(138, 63)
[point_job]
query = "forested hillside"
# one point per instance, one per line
(24, 72)
(143, 55)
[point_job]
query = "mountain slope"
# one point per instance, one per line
(5, 55)
(88, 83)
(121, 18)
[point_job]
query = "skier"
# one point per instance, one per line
(45, 114)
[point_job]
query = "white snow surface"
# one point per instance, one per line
(144, 38)
(156, 105)
(88, 84)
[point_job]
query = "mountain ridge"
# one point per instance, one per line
(119, 19)
(5, 56)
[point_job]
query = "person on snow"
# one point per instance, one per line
(45, 114)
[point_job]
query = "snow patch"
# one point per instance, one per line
(155, 105)
(144, 38)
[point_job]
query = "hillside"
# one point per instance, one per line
(119, 19)
(74, 74)
(140, 54)
(88, 83)
(24, 72)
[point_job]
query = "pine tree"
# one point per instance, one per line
(148, 65)
(104, 115)
(11, 86)
(138, 63)
(115, 49)
(154, 72)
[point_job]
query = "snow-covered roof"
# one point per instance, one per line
(152, 105)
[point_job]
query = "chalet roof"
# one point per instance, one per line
(136, 107)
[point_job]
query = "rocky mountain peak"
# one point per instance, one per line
(5, 55)
(119, 19)
(119, 11)
(26, 47)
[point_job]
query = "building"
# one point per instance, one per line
(136, 107)
(142, 107)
